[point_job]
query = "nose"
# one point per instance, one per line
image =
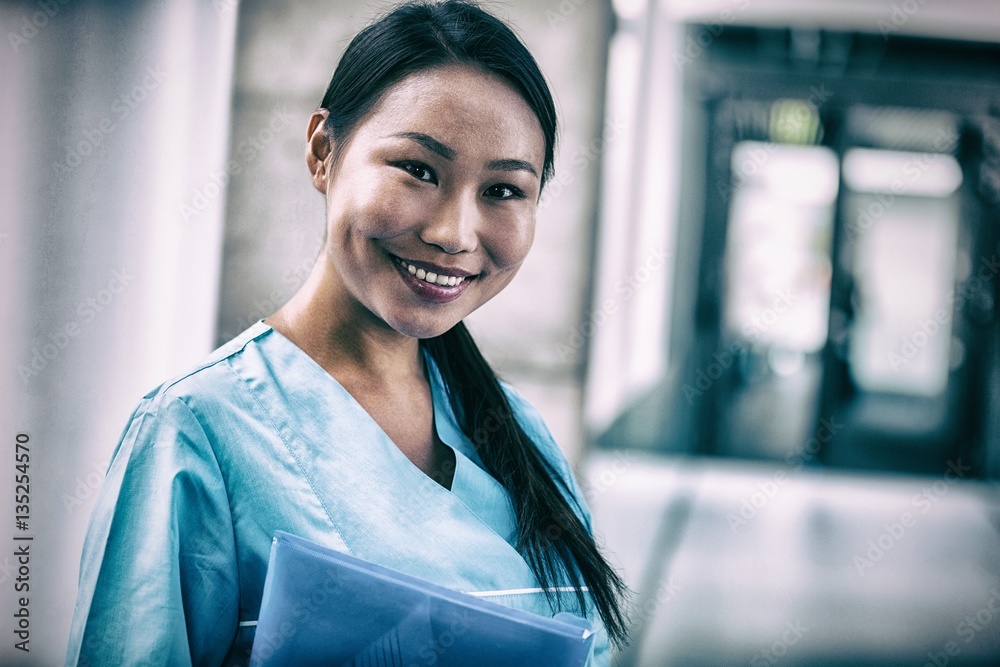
(454, 227)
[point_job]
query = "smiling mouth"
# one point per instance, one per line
(433, 283)
(431, 277)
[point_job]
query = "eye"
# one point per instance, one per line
(503, 191)
(419, 171)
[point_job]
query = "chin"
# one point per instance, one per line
(422, 329)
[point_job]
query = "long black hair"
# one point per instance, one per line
(414, 37)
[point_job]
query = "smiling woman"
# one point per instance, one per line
(441, 175)
(361, 414)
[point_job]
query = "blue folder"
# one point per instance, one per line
(323, 607)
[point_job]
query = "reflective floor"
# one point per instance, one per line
(763, 564)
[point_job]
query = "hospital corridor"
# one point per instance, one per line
(759, 315)
(733, 565)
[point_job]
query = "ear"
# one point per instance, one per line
(318, 149)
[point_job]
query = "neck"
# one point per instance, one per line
(342, 336)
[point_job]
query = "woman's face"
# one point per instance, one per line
(431, 205)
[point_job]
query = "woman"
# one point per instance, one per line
(361, 414)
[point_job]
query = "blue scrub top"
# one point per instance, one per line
(260, 438)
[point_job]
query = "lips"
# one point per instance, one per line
(432, 282)
(431, 272)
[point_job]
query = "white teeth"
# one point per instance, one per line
(431, 277)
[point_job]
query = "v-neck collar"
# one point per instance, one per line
(443, 417)
(471, 484)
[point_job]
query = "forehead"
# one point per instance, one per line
(464, 108)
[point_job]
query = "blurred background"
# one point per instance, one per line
(759, 316)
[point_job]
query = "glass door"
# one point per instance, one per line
(901, 341)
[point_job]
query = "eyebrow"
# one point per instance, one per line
(512, 165)
(436, 147)
(430, 143)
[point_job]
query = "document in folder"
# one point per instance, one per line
(323, 607)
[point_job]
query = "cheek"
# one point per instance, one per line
(375, 211)
(509, 241)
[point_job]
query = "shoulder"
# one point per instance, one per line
(532, 422)
(534, 426)
(209, 380)
(179, 409)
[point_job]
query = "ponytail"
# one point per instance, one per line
(550, 534)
